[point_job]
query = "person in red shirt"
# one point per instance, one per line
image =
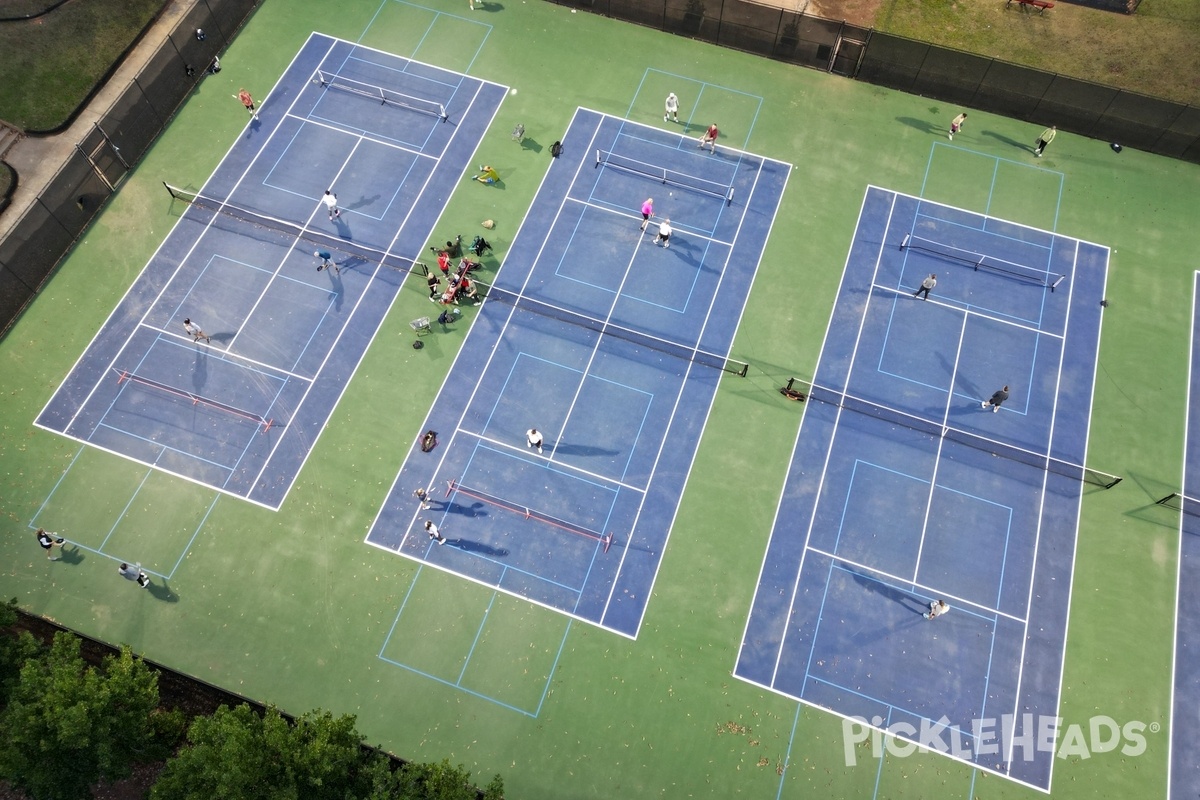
(709, 138)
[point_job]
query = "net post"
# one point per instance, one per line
(124, 376)
(1115, 480)
(1164, 500)
(904, 244)
(321, 78)
(267, 425)
(978, 263)
(607, 540)
(170, 190)
(729, 197)
(449, 487)
(599, 160)
(1054, 285)
(442, 109)
(744, 370)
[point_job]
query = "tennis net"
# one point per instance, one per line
(454, 487)
(681, 351)
(389, 97)
(664, 175)
(263, 423)
(301, 233)
(1180, 502)
(978, 261)
(933, 429)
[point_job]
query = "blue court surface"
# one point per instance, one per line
(609, 344)
(903, 490)
(1185, 701)
(241, 411)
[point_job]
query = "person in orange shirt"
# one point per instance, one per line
(247, 101)
(709, 138)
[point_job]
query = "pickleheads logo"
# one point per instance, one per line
(1010, 737)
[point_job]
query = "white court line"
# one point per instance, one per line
(382, 317)
(1087, 440)
(971, 311)
(1037, 539)
(937, 458)
(708, 315)
(265, 366)
(833, 435)
(1187, 415)
(692, 233)
(603, 479)
(916, 585)
(362, 136)
(471, 399)
(174, 274)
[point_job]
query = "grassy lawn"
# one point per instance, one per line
(53, 62)
(1153, 51)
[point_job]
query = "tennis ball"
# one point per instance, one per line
(514, 91)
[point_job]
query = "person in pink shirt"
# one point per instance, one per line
(647, 211)
(709, 138)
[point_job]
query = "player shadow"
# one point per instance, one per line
(582, 450)
(73, 556)
(924, 125)
(904, 599)
(531, 144)
(161, 591)
(200, 370)
(337, 290)
(480, 548)
(362, 202)
(225, 337)
(486, 5)
(474, 510)
(1008, 140)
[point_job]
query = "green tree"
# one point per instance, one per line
(67, 726)
(236, 753)
(15, 649)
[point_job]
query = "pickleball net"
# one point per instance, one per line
(978, 261)
(385, 96)
(1180, 502)
(1033, 458)
(605, 328)
(664, 175)
(264, 424)
(310, 237)
(454, 487)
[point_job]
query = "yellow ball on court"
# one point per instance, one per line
(514, 91)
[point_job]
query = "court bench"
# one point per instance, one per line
(1040, 5)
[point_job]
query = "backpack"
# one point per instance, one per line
(556, 149)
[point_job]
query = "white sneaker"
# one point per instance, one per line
(995, 409)
(983, 404)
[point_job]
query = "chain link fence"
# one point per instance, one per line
(113, 146)
(1044, 98)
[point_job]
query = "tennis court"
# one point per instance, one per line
(612, 346)
(289, 607)
(240, 409)
(1184, 769)
(903, 490)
